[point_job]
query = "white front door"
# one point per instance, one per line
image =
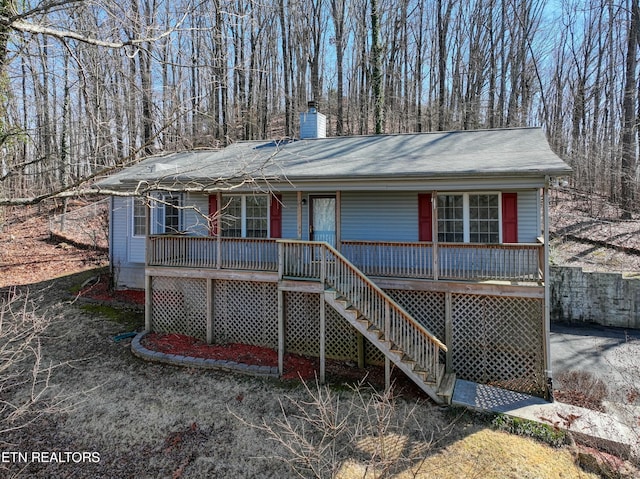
(322, 223)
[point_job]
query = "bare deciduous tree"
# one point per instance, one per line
(24, 373)
(89, 84)
(320, 435)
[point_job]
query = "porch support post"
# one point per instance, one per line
(360, 339)
(448, 331)
(148, 280)
(282, 308)
(219, 231)
(387, 338)
(338, 219)
(299, 216)
(148, 303)
(387, 374)
(281, 330)
(434, 236)
(547, 316)
(323, 336)
(323, 311)
(210, 311)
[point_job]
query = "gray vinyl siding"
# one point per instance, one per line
(393, 216)
(194, 220)
(127, 252)
(528, 216)
(377, 216)
(119, 231)
(290, 215)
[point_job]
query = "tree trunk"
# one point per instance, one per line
(629, 138)
(376, 60)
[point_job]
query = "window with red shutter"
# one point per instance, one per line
(509, 217)
(275, 216)
(425, 215)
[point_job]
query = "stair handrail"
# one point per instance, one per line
(429, 359)
(388, 299)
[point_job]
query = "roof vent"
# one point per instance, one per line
(312, 123)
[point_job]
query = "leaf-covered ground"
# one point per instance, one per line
(29, 254)
(587, 231)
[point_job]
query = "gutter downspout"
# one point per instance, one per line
(547, 310)
(148, 280)
(112, 269)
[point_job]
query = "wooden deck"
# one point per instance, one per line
(273, 293)
(513, 263)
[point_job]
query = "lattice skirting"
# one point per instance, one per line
(499, 341)
(303, 331)
(245, 312)
(425, 306)
(494, 340)
(180, 306)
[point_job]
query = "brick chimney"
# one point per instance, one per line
(312, 123)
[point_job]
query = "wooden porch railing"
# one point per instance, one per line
(202, 252)
(405, 260)
(508, 262)
(319, 261)
(455, 261)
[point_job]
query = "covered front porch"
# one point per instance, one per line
(519, 263)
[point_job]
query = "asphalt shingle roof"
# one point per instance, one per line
(479, 153)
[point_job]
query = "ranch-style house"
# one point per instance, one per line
(427, 252)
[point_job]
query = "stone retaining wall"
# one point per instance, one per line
(608, 299)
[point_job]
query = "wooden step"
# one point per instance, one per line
(446, 387)
(364, 321)
(424, 379)
(395, 349)
(408, 360)
(423, 375)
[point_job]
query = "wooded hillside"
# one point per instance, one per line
(93, 84)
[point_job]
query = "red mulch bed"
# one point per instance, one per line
(102, 291)
(295, 366)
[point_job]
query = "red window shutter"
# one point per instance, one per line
(425, 215)
(276, 216)
(509, 217)
(213, 211)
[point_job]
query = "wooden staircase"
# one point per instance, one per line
(372, 312)
(437, 384)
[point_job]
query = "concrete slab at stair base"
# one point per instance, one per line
(592, 428)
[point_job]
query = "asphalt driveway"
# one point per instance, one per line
(611, 354)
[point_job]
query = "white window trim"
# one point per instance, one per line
(134, 200)
(466, 217)
(243, 213)
(157, 212)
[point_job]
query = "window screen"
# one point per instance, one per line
(451, 218)
(484, 218)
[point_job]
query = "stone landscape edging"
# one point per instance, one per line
(189, 361)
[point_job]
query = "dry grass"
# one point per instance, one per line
(487, 454)
(149, 420)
